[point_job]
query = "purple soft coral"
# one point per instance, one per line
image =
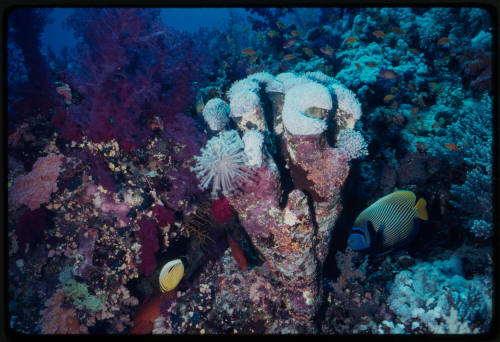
(147, 234)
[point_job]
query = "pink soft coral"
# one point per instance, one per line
(36, 187)
(221, 210)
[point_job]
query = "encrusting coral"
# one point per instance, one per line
(60, 319)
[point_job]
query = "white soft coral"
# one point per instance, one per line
(298, 99)
(222, 163)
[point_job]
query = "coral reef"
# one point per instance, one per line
(58, 319)
(293, 240)
(245, 152)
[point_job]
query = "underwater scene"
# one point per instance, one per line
(250, 171)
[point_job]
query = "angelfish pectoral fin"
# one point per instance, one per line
(378, 238)
(421, 209)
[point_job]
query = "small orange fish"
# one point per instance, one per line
(252, 59)
(371, 64)
(351, 40)
(452, 147)
(445, 58)
(397, 30)
(421, 146)
(379, 34)
(272, 33)
(289, 57)
(358, 66)
(211, 92)
(440, 90)
(414, 52)
(397, 57)
(224, 64)
(411, 86)
(296, 33)
(414, 110)
(388, 74)
(421, 102)
(433, 85)
(248, 52)
(388, 97)
(394, 105)
(434, 125)
(327, 50)
(289, 43)
(444, 40)
(281, 25)
(308, 51)
(394, 89)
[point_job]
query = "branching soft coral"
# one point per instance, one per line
(131, 68)
(36, 187)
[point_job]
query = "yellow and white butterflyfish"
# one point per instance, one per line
(171, 275)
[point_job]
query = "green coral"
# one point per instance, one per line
(79, 292)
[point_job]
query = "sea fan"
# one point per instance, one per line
(222, 163)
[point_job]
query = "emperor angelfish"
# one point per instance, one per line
(388, 223)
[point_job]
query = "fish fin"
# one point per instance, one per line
(422, 210)
(377, 244)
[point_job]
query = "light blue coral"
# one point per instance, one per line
(471, 130)
(354, 76)
(475, 197)
(437, 293)
(216, 114)
(352, 144)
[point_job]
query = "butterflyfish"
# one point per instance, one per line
(171, 275)
(390, 222)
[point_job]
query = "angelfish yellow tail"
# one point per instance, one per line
(422, 210)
